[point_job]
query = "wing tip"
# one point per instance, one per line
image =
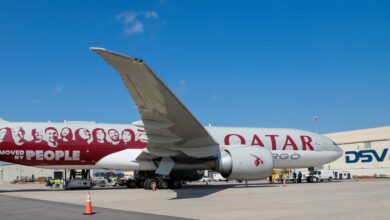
(100, 51)
(97, 49)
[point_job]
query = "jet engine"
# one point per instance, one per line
(245, 163)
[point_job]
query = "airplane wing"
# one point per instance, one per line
(168, 124)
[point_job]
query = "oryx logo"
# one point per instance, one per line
(258, 160)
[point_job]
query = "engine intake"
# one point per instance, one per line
(246, 163)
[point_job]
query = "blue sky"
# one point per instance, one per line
(233, 63)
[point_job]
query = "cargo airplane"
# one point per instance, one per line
(167, 146)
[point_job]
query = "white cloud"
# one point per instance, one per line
(132, 20)
(58, 88)
(183, 84)
(127, 16)
(135, 28)
(151, 14)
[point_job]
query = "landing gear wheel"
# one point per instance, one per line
(175, 184)
(131, 184)
(162, 184)
(141, 183)
(147, 184)
(330, 179)
(152, 184)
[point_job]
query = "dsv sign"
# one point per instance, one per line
(365, 156)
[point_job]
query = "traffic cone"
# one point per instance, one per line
(88, 206)
(284, 183)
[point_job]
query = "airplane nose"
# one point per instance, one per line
(338, 150)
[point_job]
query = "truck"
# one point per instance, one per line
(99, 181)
(319, 175)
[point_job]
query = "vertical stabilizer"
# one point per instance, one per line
(2, 120)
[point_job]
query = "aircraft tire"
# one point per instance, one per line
(174, 184)
(131, 184)
(152, 182)
(141, 183)
(163, 184)
(146, 184)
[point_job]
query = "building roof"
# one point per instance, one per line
(359, 136)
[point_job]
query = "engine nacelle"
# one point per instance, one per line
(246, 163)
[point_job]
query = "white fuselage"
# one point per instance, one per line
(118, 146)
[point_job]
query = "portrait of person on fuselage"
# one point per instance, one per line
(51, 136)
(128, 137)
(83, 136)
(5, 135)
(37, 135)
(113, 137)
(66, 136)
(99, 136)
(140, 138)
(18, 136)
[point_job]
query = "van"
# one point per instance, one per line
(319, 175)
(218, 177)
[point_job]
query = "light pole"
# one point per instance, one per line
(316, 118)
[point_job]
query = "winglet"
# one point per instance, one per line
(97, 48)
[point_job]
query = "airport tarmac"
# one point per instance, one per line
(363, 199)
(16, 208)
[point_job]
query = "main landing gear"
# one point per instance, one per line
(162, 184)
(149, 181)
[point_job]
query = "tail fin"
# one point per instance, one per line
(2, 120)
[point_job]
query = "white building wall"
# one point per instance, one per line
(366, 152)
(10, 172)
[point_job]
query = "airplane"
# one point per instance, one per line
(167, 146)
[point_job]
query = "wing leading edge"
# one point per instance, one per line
(168, 123)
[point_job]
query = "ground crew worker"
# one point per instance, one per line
(57, 182)
(295, 177)
(276, 178)
(50, 183)
(299, 177)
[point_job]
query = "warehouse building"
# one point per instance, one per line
(366, 152)
(11, 172)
